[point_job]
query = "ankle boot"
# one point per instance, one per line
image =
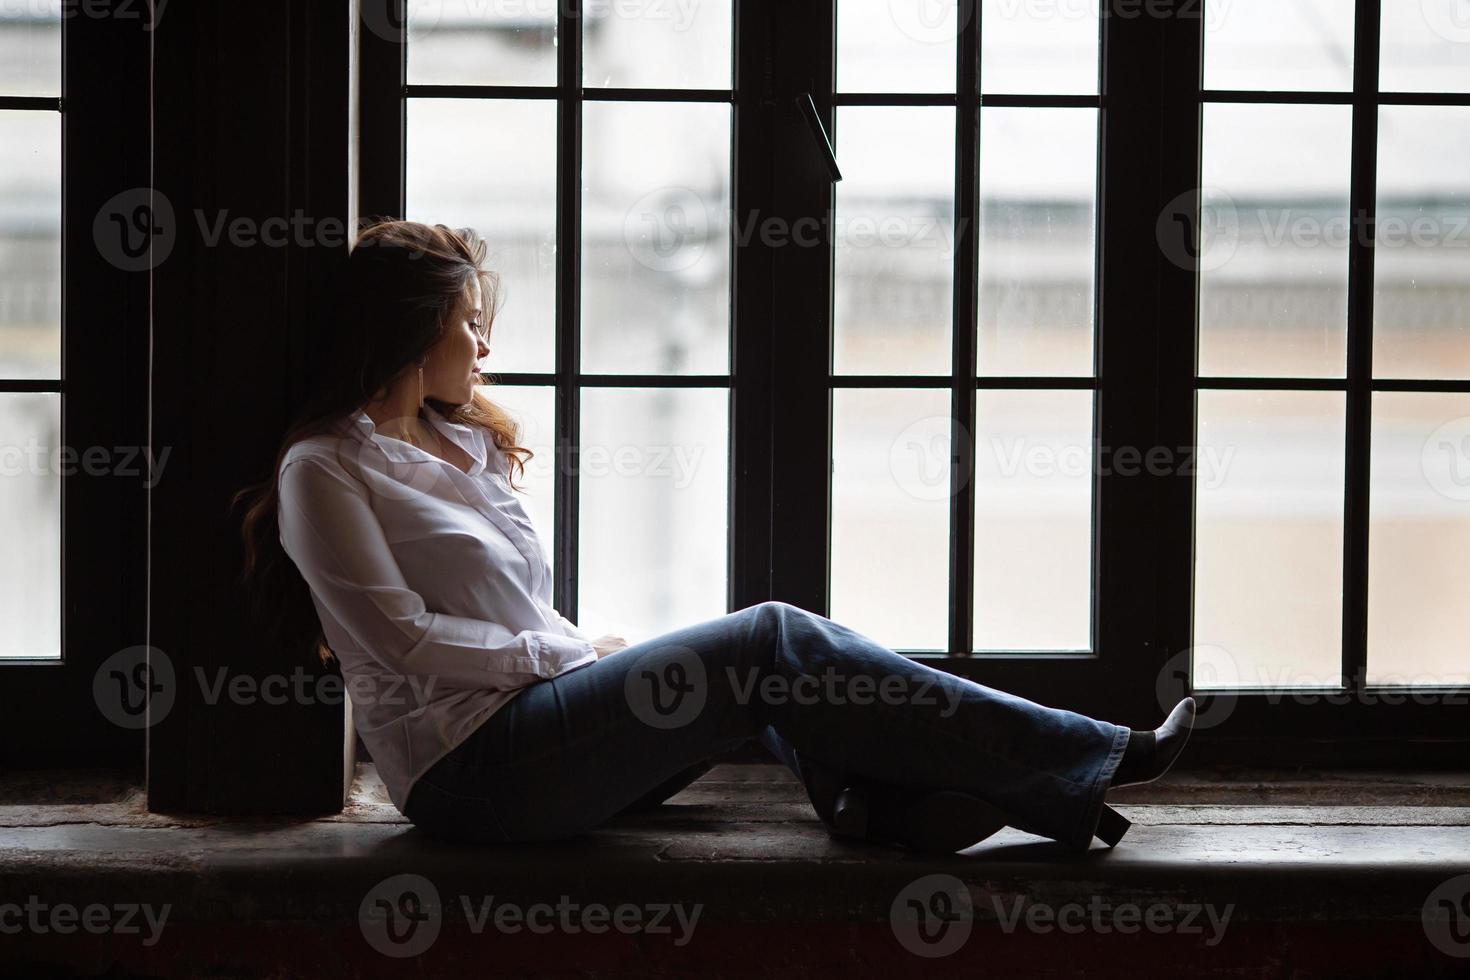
(1151, 754)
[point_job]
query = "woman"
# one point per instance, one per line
(491, 717)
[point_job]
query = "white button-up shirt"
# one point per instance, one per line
(431, 585)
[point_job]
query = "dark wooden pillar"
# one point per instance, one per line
(251, 149)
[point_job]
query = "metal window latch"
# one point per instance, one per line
(808, 108)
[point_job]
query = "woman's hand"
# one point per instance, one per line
(608, 643)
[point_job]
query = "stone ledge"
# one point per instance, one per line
(743, 845)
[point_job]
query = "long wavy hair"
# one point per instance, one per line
(405, 283)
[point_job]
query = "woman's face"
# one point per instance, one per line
(452, 369)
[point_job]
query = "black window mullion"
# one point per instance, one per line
(382, 119)
(1176, 128)
(568, 304)
(803, 60)
(752, 351)
(1356, 512)
(965, 329)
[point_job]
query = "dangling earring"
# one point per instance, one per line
(420, 363)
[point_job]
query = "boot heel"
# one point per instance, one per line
(1111, 826)
(850, 814)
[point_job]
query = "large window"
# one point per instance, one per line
(593, 150)
(910, 352)
(1334, 346)
(1099, 352)
(30, 330)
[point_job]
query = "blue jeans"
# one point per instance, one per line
(632, 729)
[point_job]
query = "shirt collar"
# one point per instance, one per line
(470, 438)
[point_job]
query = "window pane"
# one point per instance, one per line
(1274, 240)
(1033, 520)
(890, 515)
(491, 164)
(1038, 193)
(656, 238)
(30, 245)
(897, 45)
(30, 522)
(535, 409)
(654, 467)
(1418, 538)
(30, 47)
(471, 42)
(1421, 269)
(894, 241)
(648, 44)
(1280, 45)
(1039, 48)
(1268, 537)
(1425, 46)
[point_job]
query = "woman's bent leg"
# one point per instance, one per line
(568, 753)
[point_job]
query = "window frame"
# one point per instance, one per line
(1144, 384)
(51, 713)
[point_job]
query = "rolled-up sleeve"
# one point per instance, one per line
(329, 530)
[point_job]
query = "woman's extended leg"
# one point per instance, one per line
(568, 753)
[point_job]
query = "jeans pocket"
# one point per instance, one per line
(458, 817)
